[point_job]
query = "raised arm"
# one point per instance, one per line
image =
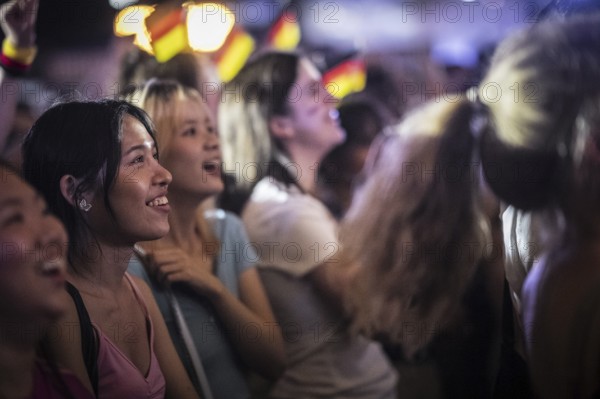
(17, 20)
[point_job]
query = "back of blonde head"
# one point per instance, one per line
(542, 95)
(415, 230)
(538, 79)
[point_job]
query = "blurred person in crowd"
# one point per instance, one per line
(23, 120)
(32, 293)
(541, 154)
(277, 123)
(420, 236)
(17, 20)
(97, 165)
(190, 69)
(206, 260)
(385, 93)
(339, 169)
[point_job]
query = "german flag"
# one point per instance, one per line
(234, 53)
(285, 33)
(168, 32)
(347, 77)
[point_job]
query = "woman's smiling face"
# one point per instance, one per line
(313, 110)
(138, 196)
(33, 249)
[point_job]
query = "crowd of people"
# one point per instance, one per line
(271, 242)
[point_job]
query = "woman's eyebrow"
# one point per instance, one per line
(11, 201)
(140, 147)
(18, 201)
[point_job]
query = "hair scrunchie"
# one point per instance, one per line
(16, 60)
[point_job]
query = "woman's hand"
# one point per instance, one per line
(17, 20)
(176, 266)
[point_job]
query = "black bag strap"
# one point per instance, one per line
(89, 343)
(512, 380)
(508, 323)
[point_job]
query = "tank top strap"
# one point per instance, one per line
(138, 295)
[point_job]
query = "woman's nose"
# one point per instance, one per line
(53, 238)
(212, 142)
(162, 176)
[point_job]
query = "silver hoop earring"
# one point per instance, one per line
(84, 206)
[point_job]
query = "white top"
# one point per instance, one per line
(522, 247)
(293, 233)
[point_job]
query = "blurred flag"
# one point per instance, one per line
(347, 77)
(168, 32)
(285, 33)
(234, 53)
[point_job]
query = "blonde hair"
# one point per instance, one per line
(256, 94)
(537, 80)
(161, 100)
(542, 96)
(415, 231)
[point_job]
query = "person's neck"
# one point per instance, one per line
(102, 266)
(307, 163)
(182, 220)
(17, 361)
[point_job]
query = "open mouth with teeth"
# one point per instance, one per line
(53, 269)
(211, 167)
(160, 201)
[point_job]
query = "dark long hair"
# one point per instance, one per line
(82, 139)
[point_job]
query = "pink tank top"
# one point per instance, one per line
(46, 384)
(118, 377)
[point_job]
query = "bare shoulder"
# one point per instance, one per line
(148, 297)
(141, 285)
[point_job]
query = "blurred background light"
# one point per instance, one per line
(208, 25)
(454, 53)
(120, 4)
(130, 21)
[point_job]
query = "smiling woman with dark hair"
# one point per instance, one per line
(97, 165)
(205, 262)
